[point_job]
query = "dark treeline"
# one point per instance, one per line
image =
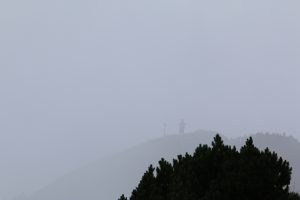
(219, 172)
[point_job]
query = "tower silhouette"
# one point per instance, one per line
(182, 126)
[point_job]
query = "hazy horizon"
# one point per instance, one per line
(83, 79)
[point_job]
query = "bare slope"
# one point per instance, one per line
(108, 178)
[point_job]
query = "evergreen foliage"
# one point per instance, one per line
(294, 196)
(122, 197)
(219, 172)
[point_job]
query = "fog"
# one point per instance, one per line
(80, 80)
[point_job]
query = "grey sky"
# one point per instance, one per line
(80, 79)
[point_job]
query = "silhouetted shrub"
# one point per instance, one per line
(219, 172)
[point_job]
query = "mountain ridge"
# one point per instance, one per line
(109, 177)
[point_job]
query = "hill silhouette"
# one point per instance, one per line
(286, 146)
(219, 172)
(108, 178)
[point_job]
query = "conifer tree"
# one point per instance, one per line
(219, 172)
(122, 197)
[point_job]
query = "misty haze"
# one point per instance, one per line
(93, 92)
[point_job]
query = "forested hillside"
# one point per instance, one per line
(109, 177)
(220, 172)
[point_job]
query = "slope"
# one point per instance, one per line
(108, 178)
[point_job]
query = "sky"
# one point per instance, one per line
(80, 80)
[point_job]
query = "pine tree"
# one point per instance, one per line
(294, 196)
(145, 189)
(219, 172)
(122, 197)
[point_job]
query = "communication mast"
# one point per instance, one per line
(182, 126)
